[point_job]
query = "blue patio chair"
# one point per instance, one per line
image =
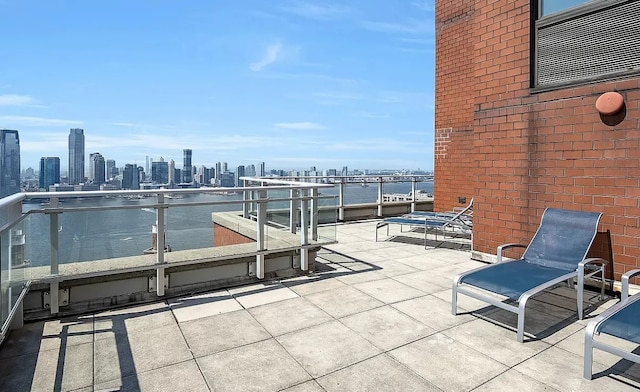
(555, 254)
(621, 321)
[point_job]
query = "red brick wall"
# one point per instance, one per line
(533, 150)
(454, 103)
(223, 236)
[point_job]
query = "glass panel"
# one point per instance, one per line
(15, 269)
(548, 7)
(327, 219)
(191, 227)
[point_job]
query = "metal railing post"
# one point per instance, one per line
(246, 197)
(341, 200)
(414, 193)
(304, 231)
(314, 214)
(260, 232)
(380, 197)
(54, 286)
(293, 213)
(160, 245)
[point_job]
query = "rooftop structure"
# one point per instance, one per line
(373, 316)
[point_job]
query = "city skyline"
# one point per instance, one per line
(235, 81)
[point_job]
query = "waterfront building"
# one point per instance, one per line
(9, 162)
(227, 179)
(345, 171)
(263, 172)
(160, 172)
(240, 172)
(172, 171)
(225, 167)
(537, 105)
(130, 177)
(96, 168)
(49, 172)
(112, 170)
(187, 169)
(250, 170)
(76, 156)
(218, 172)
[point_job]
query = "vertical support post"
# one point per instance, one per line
(304, 232)
(293, 213)
(314, 214)
(246, 197)
(260, 231)
(414, 193)
(341, 200)
(380, 197)
(54, 286)
(161, 245)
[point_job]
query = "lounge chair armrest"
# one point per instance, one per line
(505, 246)
(625, 282)
(593, 261)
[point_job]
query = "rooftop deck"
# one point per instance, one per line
(375, 317)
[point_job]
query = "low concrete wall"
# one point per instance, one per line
(103, 284)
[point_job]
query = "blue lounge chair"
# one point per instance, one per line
(556, 254)
(621, 320)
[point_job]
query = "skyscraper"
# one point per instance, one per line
(172, 172)
(112, 170)
(49, 172)
(187, 169)
(96, 168)
(239, 173)
(9, 162)
(76, 156)
(218, 172)
(130, 177)
(160, 172)
(263, 172)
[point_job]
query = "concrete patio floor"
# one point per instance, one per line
(375, 316)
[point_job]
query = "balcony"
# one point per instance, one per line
(366, 316)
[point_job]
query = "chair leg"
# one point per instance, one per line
(520, 335)
(588, 353)
(580, 293)
(454, 299)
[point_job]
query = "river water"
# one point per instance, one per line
(94, 235)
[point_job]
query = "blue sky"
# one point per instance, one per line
(292, 83)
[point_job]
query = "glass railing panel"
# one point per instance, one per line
(191, 226)
(327, 217)
(15, 269)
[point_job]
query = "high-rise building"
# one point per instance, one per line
(172, 172)
(239, 173)
(112, 170)
(130, 177)
(225, 167)
(263, 172)
(49, 172)
(187, 168)
(218, 172)
(76, 156)
(160, 172)
(9, 162)
(345, 171)
(250, 170)
(96, 168)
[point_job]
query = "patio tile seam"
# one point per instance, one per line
(135, 374)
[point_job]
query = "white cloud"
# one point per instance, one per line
(307, 126)
(29, 121)
(16, 100)
(316, 11)
(409, 27)
(428, 6)
(272, 54)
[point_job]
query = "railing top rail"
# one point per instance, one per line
(282, 185)
(427, 177)
(279, 180)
